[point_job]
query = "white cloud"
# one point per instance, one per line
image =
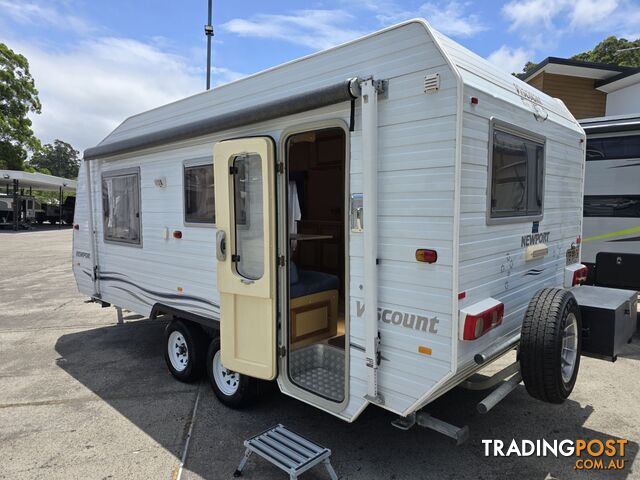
(510, 60)
(52, 13)
(532, 13)
(562, 17)
(317, 29)
(590, 13)
(87, 89)
(449, 17)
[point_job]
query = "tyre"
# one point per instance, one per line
(233, 389)
(550, 345)
(184, 350)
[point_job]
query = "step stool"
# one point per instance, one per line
(287, 451)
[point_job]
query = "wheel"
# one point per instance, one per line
(550, 345)
(184, 352)
(233, 389)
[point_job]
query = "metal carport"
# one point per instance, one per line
(14, 183)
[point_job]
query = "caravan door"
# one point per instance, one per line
(246, 254)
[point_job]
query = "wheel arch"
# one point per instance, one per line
(209, 325)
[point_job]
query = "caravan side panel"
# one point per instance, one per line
(492, 256)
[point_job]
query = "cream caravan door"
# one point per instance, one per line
(246, 254)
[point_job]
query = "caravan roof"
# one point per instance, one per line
(310, 76)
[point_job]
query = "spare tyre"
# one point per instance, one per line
(550, 345)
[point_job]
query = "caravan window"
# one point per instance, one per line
(121, 206)
(613, 148)
(516, 174)
(199, 195)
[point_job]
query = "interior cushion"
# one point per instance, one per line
(310, 282)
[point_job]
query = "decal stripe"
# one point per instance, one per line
(176, 296)
(627, 231)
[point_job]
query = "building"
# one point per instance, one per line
(588, 89)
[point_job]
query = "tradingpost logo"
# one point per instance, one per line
(589, 454)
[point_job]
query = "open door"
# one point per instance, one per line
(246, 254)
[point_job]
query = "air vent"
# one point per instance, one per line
(432, 83)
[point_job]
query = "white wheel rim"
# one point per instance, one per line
(226, 380)
(569, 348)
(178, 351)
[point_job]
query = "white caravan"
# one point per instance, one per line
(611, 244)
(370, 224)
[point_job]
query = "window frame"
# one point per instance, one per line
(502, 126)
(196, 162)
(121, 173)
(610, 136)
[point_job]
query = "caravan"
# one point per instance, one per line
(371, 224)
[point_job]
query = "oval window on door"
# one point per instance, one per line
(249, 216)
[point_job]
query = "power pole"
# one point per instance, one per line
(208, 31)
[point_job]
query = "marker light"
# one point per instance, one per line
(426, 256)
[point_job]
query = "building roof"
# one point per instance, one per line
(37, 181)
(612, 123)
(624, 79)
(578, 68)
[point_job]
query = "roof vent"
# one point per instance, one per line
(432, 83)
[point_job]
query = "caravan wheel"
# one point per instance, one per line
(550, 345)
(184, 351)
(233, 389)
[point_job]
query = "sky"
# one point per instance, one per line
(96, 62)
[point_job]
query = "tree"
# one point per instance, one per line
(60, 159)
(614, 51)
(18, 98)
(611, 50)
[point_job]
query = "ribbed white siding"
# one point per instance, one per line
(492, 260)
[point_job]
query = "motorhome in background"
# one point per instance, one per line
(611, 232)
(368, 225)
(606, 100)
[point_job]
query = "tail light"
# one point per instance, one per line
(476, 325)
(580, 276)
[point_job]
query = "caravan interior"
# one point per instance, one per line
(316, 163)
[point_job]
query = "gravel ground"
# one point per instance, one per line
(82, 397)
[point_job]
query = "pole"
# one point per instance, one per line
(60, 207)
(16, 205)
(208, 31)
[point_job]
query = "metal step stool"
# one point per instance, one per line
(287, 451)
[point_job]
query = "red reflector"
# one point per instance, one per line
(580, 276)
(474, 100)
(579, 240)
(177, 234)
(76, 226)
(477, 325)
(426, 256)
(462, 295)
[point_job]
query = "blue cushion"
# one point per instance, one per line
(310, 282)
(293, 273)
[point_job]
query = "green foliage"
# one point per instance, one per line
(59, 159)
(18, 98)
(614, 51)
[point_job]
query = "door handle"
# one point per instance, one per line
(221, 245)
